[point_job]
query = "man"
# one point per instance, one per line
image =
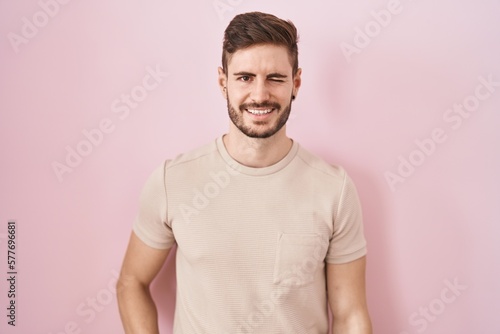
(267, 234)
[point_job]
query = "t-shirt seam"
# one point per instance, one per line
(186, 160)
(330, 175)
(341, 198)
(341, 257)
(229, 160)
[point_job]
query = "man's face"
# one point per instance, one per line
(258, 87)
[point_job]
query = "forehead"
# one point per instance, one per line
(261, 58)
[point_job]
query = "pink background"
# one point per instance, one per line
(437, 228)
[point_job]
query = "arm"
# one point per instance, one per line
(140, 266)
(347, 298)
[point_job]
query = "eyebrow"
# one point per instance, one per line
(271, 75)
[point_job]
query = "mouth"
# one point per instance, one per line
(259, 112)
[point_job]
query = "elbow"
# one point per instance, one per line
(128, 284)
(355, 322)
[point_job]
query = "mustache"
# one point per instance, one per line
(265, 104)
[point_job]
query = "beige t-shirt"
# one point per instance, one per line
(252, 243)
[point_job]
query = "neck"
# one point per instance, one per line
(257, 152)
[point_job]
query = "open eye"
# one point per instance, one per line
(244, 78)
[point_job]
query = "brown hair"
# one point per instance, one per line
(254, 28)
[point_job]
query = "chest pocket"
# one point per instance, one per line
(299, 257)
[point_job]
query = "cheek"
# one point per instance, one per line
(235, 98)
(282, 91)
(284, 95)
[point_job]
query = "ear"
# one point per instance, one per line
(222, 80)
(297, 81)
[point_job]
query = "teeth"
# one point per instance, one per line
(259, 112)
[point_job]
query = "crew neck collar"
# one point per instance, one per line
(256, 171)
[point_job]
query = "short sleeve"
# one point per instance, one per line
(151, 221)
(348, 241)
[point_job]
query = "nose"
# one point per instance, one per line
(260, 91)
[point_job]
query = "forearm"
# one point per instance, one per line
(137, 308)
(358, 323)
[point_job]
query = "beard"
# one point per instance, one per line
(251, 130)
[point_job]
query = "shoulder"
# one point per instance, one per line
(318, 165)
(192, 156)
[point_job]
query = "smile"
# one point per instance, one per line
(259, 111)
